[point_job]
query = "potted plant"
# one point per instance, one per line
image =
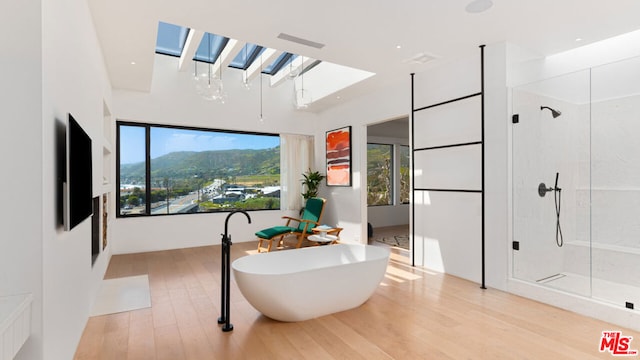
(311, 181)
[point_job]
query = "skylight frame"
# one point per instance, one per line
(251, 56)
(211, 50)
(283, 60)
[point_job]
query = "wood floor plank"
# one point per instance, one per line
(275, 341)
(92, 339)
(326, 338)
(306, 344)
(163, 314)
(168, 343)
(141, 336)
(115, 345)
(414, 314)
(353, 338)
(195, 343)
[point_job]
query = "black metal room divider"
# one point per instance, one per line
(480, 142)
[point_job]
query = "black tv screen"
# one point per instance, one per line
(79, 184)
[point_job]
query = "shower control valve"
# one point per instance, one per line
(543, 189)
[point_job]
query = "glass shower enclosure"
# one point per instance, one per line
(576, 183)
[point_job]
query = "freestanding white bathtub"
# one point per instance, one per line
(301, 284)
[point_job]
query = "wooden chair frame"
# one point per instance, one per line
(300, 234)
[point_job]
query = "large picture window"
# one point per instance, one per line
(175, 170)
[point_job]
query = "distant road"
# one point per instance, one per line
(178, 205)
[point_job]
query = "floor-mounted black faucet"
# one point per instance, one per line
(225, 274)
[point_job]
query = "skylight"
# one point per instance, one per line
(220, 51)
(171, 39)
(283, 60)
(210, 47)
(246, 56)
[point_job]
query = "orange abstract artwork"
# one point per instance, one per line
(339, 157)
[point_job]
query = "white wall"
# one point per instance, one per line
(75, 81)
(21, 151)
(53, 67)
(448, 225)
(173, 101)
(388, 215)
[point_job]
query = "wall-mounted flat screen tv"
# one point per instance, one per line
(78, 188)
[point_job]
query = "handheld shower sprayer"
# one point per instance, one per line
(557, 197)
(543, 189)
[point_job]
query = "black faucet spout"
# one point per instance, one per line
(226, 222)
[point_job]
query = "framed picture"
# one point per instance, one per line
(338, 143)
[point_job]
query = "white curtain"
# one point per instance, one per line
(296, 157)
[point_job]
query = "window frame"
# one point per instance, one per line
(284, 59)
(147, 129)
(249, 57)
(182, 32)
(212, 50)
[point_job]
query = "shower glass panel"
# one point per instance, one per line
(551, 182)
(615, 182)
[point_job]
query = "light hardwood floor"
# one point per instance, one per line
(414, 314)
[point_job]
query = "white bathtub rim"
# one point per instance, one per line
(382, 253)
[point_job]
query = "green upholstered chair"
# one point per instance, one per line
(301, 228)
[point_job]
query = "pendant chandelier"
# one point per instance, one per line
(261, 117)
(208, 85)
(302, 96)
(245, 77)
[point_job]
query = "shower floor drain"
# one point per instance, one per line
(550, 278)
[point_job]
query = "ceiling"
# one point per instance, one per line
(377, 36)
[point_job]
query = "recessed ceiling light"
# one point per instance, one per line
(133, 63)
(398, 46)
(478, 6)
(578, 39)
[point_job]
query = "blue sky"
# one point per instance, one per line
(167, 140)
